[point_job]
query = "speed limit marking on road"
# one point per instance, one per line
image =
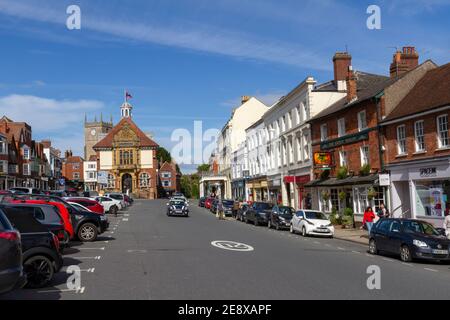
(232, 245)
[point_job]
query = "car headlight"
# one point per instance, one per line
(103, 218)
(420, 244)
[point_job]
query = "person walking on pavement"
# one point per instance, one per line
(383, 212)
(220, 210)
(447, 224)
(368, 219)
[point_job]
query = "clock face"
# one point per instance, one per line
(93, 132)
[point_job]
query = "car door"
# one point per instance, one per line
(381, 234)
(394, 239)
(273, 215)
(297, 220)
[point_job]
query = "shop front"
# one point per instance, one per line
(258, 190)
(421, 190)
(356, 193)
(238, 189)
(298, 196)
(274, 186)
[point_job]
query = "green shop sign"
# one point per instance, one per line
(345, 140)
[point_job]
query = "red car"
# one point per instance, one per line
(208, 203)
(65, 215)
(92, 205)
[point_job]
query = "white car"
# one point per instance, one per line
(110, 205)
(117, 196)
(311, 222)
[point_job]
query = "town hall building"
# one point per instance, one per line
(128, 158)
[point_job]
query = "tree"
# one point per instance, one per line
(163, 154)
(203, 168)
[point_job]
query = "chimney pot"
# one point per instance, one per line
(404, 61)
(352, 88)
(244, 99)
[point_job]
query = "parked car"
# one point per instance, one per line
(92, 205)
(258, 213)
(228, 206)
(213, 207)
(241, 212)
(111, 206)
(88, 225)
(118, 196)
(280, 217)
(11, 269)
(41, 254)
(201, 202)
(25, 190)
(46, 214)
(177, 208)
(208, 202)
(311, 222)
(58, 193)
(60, 209)
(410, 239)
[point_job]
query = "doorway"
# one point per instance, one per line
(127, 183)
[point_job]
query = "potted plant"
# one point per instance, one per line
(348, 218)
(342, 173)
(325, 195)
(371, 194)
(342, 195)
(365, 170)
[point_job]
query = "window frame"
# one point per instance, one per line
(360, 126)
(417, 137)
(401, 142)
(441, 145)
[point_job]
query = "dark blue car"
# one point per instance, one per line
(410, 239)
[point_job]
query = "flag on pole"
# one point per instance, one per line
(128, 96)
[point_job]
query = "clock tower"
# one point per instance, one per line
(94, 131)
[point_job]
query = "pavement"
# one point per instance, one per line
(148, 255)
(354, 235)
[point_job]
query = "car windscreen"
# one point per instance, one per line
(228, 203)
(315, 215)
(287, 211)
(177, 203)
(115, 196)
(420, 227)
(262, 206)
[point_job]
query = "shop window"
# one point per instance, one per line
(334, 197)
(432, 198)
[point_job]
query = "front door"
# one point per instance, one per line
(127, 183)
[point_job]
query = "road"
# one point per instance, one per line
(148, 255)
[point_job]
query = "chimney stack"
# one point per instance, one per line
(244, 99)
(404, 61)
(341, 62)
(352, 88)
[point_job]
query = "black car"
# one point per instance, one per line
(214, 204)
(240, 215)
(47, 215)
(280, 217)
(258, 213)
(201, 202)
(411, 239)
(88, 225)
(228, 206)
(11, 269)
(177, 208)
(40, 249)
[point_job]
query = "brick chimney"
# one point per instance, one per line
(341, 62)
(244, 99)
(352, 88)
(404, 61)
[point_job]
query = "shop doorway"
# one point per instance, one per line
(127, 183)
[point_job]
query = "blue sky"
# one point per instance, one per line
(186, 60)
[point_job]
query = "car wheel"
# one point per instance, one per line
(373, 247)
(39, 271)
(304, 232)
(113, 210)
(87, 232)
(405, 254)
(269, 224)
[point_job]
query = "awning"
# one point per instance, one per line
(355, 180)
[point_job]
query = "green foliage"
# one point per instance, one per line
(365, 170)
(348, 212)
(190, 186)
(203, 168)
(325, 174)
(342, 195)
(163, 154)
(371, 194)
(325, 195)
(342, 173)
(347, 221)
(334, 217)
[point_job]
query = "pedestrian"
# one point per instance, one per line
(368, 219)
(220, 210)
(383, 212)
(447, 224)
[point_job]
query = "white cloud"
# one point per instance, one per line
(47, 115)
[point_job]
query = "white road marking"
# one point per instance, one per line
(86, 258)
(137, 251)
(125, 219)
(339, 248)
(390, 260)
(407, 264)
(316, 242)
(232, 245)
(432, 270)
(106, 241)
(357, 252)
(102, 248)
(79, 290)
(90, 270)
(369, 255)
